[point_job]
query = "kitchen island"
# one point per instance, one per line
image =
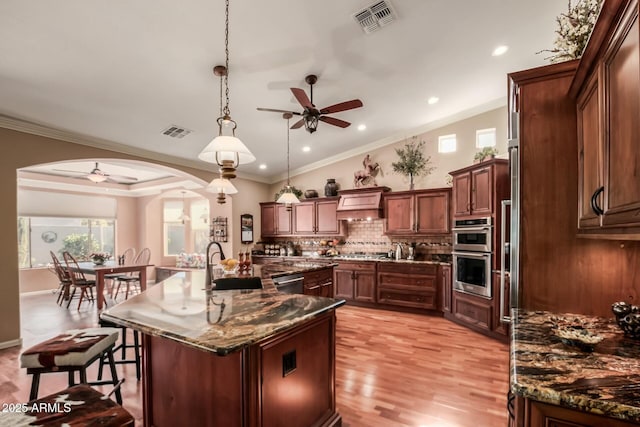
(555, 382)
(233, 358)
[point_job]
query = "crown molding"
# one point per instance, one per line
(34, 128)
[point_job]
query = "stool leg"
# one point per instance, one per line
(72, 378)
(35, 383)
(136, 352)
(83, 375)
(100, 366)
(124, 343)
(114, 376)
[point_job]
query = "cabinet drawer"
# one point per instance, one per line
(472, 312)
(357, 266)
(406, 299)
(406, 280)
(320, 276)
(406, 268)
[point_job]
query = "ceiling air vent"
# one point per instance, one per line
(176, 131)
(375, 16)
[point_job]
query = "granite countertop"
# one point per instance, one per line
(336, 259)
(221, 322)
(605, 381)
(284, 268)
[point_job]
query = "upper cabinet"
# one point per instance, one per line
(275, 219)
(317, 217)
(608, 111)
(478, 189)
(421, 212)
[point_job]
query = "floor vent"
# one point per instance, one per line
(176, 131)
(375, 16)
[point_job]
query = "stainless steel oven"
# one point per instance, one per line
(472, 273)
(473, 235)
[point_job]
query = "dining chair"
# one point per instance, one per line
(78, 280)
(110, 279)
(63, 277)
(133, 279)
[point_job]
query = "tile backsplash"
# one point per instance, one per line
(368, 237)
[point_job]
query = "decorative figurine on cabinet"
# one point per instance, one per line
(367, 176)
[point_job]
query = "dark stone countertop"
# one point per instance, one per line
(605, 381)
(179, 308)
(337, 259)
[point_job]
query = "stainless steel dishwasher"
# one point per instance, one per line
(290, 284)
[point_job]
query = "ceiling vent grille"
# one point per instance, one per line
(176, 131)
(375, 16)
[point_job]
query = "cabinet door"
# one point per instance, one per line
(462, 194)
(399, 213)
(343, 280)
(622, 118)
(432, 213)
(268, 220)
(589, 146)
(481, 190)
(365, 286)
(326, 220)
(445, 276)
(304, 218)
(283, 219)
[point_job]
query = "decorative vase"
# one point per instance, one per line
(310, 194)
(331, 188)
(98, 261)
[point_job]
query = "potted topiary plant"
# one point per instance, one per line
(486, 152)
(412, 160)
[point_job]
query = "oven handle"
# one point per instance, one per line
(504, 317)
(462, 229)
(284, 282)
(478, 255)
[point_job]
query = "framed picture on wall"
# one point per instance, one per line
(246, 228)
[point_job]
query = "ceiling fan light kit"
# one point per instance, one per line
(96, 177)
(226, 151)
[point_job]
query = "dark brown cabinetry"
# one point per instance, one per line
(355, 281)
(608, 107)
(319, 283)
(408, 285)
(317, 217)
(445, 276)
(422, 212)
(478, 189)
(275, 220)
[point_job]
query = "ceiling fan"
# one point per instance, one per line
(96, 175)
(311, 115)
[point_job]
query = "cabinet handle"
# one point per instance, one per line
(594, 202)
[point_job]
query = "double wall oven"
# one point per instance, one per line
(472, 246)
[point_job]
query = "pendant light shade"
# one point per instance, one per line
(184, 217)
(96, 177)
(287, 197)
(224, 148)
(223, 187)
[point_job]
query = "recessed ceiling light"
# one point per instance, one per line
(500, 50)
(262, 166)
(306, 148)
(433, 100)
(362, 127)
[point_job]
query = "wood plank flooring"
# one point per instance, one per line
(392, 369)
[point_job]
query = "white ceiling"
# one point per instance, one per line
(123, 71)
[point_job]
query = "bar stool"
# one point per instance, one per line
(123, 346)
(72, 351)
(74, 406)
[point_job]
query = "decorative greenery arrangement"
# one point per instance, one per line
(294, 190)
(412, 160)
(574, 29)
(99, 257)
(484, 153)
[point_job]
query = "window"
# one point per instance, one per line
(447, 144)
(200, 225)
(174, 237)
(486, 138)
(79, 236)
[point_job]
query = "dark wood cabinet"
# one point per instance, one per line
(478, 189)
(445, 276)
(355, 281)
(275, 219)
(408, 285)
(472, 311)
(421, 212)
(317, 217)
(283, 220)
(319, 283)
(481, 190)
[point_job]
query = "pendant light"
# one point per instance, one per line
(184, 217)
(227, 151)
(222, 186)
(287, 196)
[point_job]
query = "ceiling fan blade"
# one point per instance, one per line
(335, 122)
(69, 171)
(298, 124)
(302, 97)
(343, 106)
(117, 178)
(273, 110)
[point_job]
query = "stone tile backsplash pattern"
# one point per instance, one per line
(367, 237)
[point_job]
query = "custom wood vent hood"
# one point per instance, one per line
(361, 203)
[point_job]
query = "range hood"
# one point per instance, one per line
(361, 203)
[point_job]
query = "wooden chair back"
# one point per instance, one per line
(128, 255)
(59, 270)
(77, 276)
(143, 257)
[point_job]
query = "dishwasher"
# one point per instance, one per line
(290, 284)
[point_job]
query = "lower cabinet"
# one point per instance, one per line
(472, 311)
(355, 281)
(319, 283)
(406, 285)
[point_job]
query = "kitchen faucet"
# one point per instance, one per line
(207, 283)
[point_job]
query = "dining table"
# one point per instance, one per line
(111, 267)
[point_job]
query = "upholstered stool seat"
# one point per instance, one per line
(72, 351)
(74, 406)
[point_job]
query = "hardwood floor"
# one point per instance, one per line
(392, 369)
